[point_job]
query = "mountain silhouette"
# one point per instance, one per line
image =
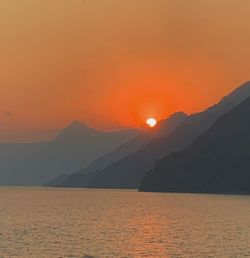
(217, 162)
(82, 178)
(74, 147)
(75, 131)
(121, 173)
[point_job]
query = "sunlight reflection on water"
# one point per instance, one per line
(44, 222)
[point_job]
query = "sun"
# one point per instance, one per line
(151, 122)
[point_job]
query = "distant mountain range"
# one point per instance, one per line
(74, 147)
(217, 162)
(204, 152)
(83, 177)
(119, 174)
(126, 166)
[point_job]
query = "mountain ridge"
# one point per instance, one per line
(36, 163)
(216, 162)
(82, 177)
(117, 174)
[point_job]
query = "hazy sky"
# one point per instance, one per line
(113, 63)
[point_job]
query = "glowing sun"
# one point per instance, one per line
(151, 122)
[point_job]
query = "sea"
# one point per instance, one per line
(57, 222)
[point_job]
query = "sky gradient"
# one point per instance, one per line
(112, 64)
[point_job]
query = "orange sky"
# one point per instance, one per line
(113, 63)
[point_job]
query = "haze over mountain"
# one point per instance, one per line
(82, 178)
(74, 147)
(217, 162)
(121, 173)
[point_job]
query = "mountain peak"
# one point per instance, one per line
(74, 130)
(172, 121)
(76, 123)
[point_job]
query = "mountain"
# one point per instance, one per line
(74, 147)
(82, 178)
(217, 162)
(119, 174)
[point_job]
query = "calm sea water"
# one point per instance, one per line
(44, 222)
